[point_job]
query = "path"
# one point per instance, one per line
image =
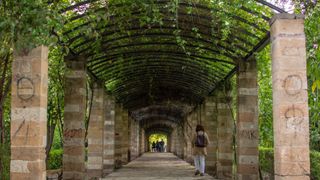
(157, 166)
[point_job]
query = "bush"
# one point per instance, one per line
(266, 162)
(266, 159)
(5, 161)
(55, 159)
(315, 165)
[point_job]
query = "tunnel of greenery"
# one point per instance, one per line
(159, 60)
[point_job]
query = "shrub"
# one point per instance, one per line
(55, 159)
(266, 159)
(315, 165)
(5, 161)
(266, 162)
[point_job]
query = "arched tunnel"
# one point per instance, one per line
(164, 67)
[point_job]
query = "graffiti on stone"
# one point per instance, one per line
(294, 117)
(249, 134)
(25, 88)
(293, 84)
(70, 133)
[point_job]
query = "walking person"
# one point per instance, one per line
(199, 142)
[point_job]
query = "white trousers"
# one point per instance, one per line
(199, 162)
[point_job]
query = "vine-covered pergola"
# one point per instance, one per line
(165, 66)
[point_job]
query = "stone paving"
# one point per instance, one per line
(157, 166)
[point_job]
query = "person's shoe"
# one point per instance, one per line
(201, 174)
(197, 172)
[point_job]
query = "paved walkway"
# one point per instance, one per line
(157, 166)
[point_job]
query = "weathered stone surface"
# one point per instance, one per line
(74, 117)
(29, 114)
(225, 131)
(96, 133)
(247, 136)
(290, 99)
(109, 136)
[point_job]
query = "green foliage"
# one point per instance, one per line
(315, 165)
(266, 159)
(5, 161)
(55, 159)
(312, 26)
(28, 23)
(158, 137)
(265, 97)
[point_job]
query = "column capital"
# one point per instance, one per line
(285, 16)
(97, 84)
(75, 62)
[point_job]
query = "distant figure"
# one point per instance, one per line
(153, 147)
(157, 146)
(161, 145)
(199, 142)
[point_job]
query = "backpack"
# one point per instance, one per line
(200, 141)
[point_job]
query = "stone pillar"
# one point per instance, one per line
(210, 124)
(125, 136)
(180, 142)
(74, 119)
(29, 114)
(290, 98)
(142, 141)
(247, 122)
(188, 132)
(109, 136)
(96, 133)
(118, 135)
(225, 134)
(133, 138)
(173, 142)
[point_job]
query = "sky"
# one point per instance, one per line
(287, 5)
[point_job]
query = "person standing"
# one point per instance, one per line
(153, 146)
(200, 142)
(161, 145)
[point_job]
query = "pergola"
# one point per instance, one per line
(165, 66)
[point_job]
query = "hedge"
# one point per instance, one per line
(55, 159)
(266, 162)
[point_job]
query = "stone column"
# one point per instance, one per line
(142, 141)
(74, 119)
(29, 114)
(173, 142)
(290, 98)
(96, 133)
(133, 138)
(125, 136)
(247, 122)
(180, 142)
(118, 135)
(188, 132)
(210, 124)
(109, 136)
(225, 133)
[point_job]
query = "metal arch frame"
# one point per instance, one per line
(166, 78)
(91, 1)
(132, 28)
(198, 6)
(138, 35)
(133, 45)
(247, 57)
(179, 86)
(144, 101)
(138, 62)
